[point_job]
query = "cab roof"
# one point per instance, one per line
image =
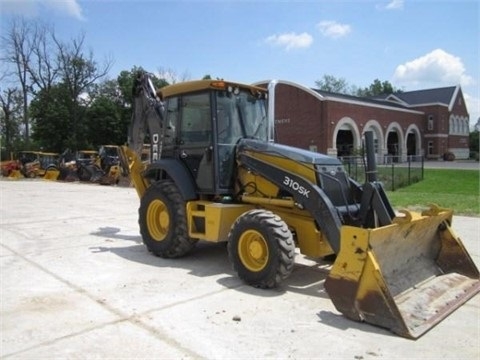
(199, 85)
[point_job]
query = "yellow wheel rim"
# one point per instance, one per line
(158, 220)
(253, 250)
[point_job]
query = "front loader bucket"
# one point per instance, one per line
(406, 277)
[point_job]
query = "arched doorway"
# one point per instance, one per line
(374, 126)
(411, 144)
(393, 144)
(346, 137)
(413, 141)
(345, 143)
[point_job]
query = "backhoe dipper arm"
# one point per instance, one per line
(147, 116)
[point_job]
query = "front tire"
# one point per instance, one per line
(261, 248)
(163, 221)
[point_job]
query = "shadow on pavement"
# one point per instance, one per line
(207, 259)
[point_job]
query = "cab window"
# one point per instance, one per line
(195, 119)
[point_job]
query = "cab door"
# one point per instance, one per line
(194, 139)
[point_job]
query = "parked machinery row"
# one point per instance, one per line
(100, 166)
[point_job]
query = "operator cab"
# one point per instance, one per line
(206, 119)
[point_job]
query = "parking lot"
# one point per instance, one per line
(77, 283)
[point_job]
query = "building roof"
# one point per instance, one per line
(406, 101)
(443, 96)
(368, 100)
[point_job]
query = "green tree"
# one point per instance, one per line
(124, 94)
(377, 88)
(37, 62)
(125, 82)
(332, 84)
(108, 116)
(340, 86)
(51, 123)
(474, 143)
(104, 123)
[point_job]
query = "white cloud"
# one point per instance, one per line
(290, 40)
(32, 8)
(333, 29)
(394, 5)
(391, 5)
(68, 7)
(437, 68)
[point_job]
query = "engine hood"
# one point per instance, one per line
(297, 154)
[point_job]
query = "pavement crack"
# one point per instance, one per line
(122, 317)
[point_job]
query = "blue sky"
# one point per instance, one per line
(414, 44)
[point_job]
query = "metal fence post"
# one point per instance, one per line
(409, 168)
(393, 177)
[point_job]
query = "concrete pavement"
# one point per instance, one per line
(77, 283)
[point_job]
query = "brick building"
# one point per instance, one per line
(430, 122)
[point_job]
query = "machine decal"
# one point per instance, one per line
(296, 186)
(155, 139)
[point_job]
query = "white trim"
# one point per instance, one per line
(332, 98)
(378, 134)
(454, 97)
(353, 127)
(301, 87)
(395, 127)
(394, 98)
(430, 104)
(435, 135)
(361, 103)
(376, 127)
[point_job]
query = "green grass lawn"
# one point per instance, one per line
(455, 189)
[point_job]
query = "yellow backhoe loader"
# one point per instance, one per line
(11, 169)
(108, 161)
(32, 164)
(49, 165)
(216, 174)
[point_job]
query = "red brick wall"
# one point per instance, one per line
(298, 117)
(303, 119)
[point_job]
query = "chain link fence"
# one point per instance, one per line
(394, 172)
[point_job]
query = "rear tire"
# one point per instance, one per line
(163, 221)
(261, 248)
